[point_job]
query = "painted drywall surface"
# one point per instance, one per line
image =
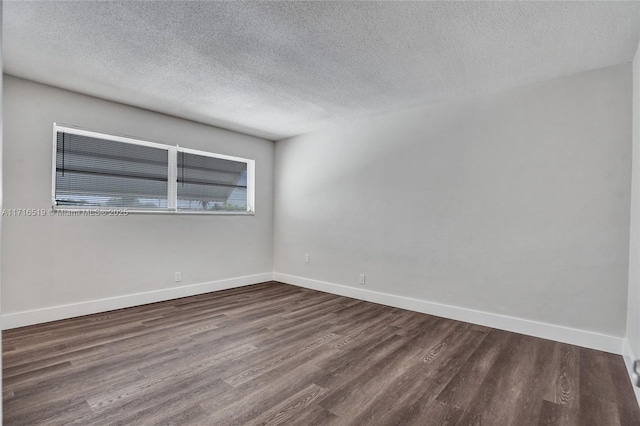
(633, 312)
(515, 203)
(1, 186)
(50, 261)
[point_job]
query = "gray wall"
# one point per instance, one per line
(515, 203)
(1, 189)
(51, 261)
(633, 313)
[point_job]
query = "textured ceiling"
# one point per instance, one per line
(275, 69)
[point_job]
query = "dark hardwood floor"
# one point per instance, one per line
(277, 354)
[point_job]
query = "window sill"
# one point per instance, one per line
(115, 212)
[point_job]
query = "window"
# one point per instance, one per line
(95, 170)
(207, 182)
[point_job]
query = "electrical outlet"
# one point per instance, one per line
(307, 258)
(362, 279)
(178, 277)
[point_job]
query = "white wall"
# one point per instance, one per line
(514, 204)
(633, 311)
(1, 203)
(52, 261)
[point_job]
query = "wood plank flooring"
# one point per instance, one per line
(277, 354)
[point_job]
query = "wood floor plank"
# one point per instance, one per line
(272, 363)
(315, 416)
(598, 403)
(499, 391)
(563, 386)
(623, 392)
(150, 407)
(282, 412)
(413, 402)
(363, 389)
(259, 395)
(536, 375)
(272, 353)
(550, 414)
(463, 387)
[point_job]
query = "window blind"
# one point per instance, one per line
(100, 172)
(209, 183)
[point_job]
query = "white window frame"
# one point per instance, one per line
(172, 191)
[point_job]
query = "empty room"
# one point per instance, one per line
(320, 213)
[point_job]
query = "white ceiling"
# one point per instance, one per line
(277, 69)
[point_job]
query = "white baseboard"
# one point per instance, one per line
(557, 333)
(37, 316)
(612, 344)
(629, 356)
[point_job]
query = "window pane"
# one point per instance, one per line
(211, 184)
(100, 172)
